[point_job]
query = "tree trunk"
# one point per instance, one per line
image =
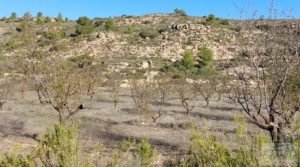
(115, 104)
(22, 94)
(40, 97)
(61, 117)
(283, 146)
(207, 103)
(219, 96)
(1, 104)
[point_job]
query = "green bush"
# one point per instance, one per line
(237, 29)
(11, 44)
(129, 30)
(206, 57)
(146, 153)
(109, 25)
(47, 20)
(182, 68)
(132, 154)
(82, 61)
(163, 29)
(23, 27)
(54, 34)
(147, 22)
(214, 21)
(148, 34)
(224, 22)
(187, 60)
(57, 48)
(211, 18)
(209, 73)
(188, 66)
(84, 26)
(132, 40)
(39, 20)
(249, 152)
(16, 160)
(99, 22)
(61, 147)
(205, 150)
(264, 27)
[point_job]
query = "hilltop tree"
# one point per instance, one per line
(27, 16)
(179, 12)
(39, 15)
(13, 15)
(59, 17)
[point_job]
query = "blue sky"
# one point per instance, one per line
(106, 8)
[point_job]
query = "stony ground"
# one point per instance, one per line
(22, 122)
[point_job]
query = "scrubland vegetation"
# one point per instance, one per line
(61, 63)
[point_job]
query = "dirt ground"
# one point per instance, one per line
(23, 121)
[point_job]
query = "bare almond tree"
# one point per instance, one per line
(62, 83)
(147, 99)
(5, 87)
(114, 85)
(209, 85)
(206, 89)
(266, 84)
(220, 86)
(163, 87)
(186, 94)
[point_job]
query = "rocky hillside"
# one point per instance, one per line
(131, 42)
